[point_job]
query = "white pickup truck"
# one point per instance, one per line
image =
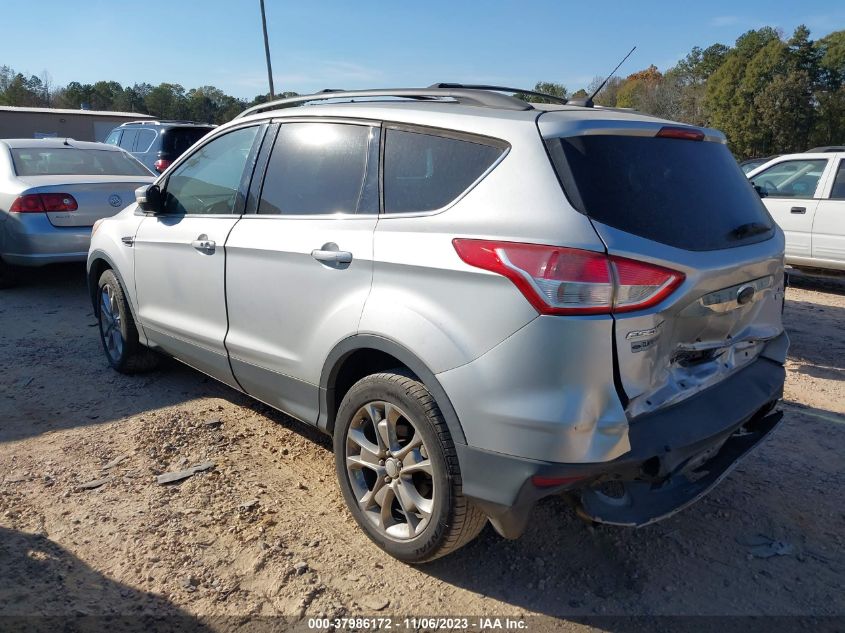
(805, 194)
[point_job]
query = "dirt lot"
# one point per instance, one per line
(266, 531)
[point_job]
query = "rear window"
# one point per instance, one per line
(72, 161)
(424, 172)
(177, 139)
(687, 194)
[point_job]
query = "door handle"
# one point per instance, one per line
(332, 257)
(798, 210)
(203, 244)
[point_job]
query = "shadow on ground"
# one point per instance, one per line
(701, 561)
(50, 345)
(832, 283)
(45, 587)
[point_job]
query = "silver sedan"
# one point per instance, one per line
(51, 193)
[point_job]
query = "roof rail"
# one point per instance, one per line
(461, 95)
(519, 91)
(165, 121)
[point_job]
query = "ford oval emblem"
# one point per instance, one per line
(745, 294)
(115, 200)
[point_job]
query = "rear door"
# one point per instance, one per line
(829, 222)
(684, 204)
(791, 192)
(179, 253)
(300, 267)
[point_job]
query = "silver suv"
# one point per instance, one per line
(484, 301)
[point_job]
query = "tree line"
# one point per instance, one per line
(165, 101)
(769, 94)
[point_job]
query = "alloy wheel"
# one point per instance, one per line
(388, 465)
(110, 323)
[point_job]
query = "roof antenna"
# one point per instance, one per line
(588, 102)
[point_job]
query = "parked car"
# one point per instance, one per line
(157, 143)
(485, 302)
(51, 193)
(805, 194)
(753, 163)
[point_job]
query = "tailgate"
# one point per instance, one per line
(718, 321)
(674, 196)
(96, 198)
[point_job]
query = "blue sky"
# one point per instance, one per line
(359, 44)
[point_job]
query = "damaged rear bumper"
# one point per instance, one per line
(677, 455)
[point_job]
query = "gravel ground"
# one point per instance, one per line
(265, 531)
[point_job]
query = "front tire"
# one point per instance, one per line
(117, 329)
(398, 469)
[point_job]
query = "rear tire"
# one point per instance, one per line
(8, 275)
(398, 469)
(118, 333)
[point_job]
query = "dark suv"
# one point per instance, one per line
(157, 143)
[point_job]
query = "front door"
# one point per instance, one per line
(791, 194)
(180, 256)
(299, 270)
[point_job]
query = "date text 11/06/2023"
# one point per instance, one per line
(378, 623)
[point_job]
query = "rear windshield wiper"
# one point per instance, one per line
(747, 230)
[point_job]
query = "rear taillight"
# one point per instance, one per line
(558, 280)
(44, 202)
(161, 164)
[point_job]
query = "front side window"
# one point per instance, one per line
(791, 179)
(321, 169)
(113, 137)
(209, 181)
(838, 191)
(424, 172)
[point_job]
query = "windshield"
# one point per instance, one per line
(73, 161)
(687, 194)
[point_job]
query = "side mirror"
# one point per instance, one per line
(760, 190)
(149, 199)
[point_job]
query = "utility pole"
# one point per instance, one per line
(267, 50)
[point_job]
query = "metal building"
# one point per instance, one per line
(82, 125)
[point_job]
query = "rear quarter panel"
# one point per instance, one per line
(445, 311)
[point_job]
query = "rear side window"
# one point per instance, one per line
(838, 191)
(424, 172)
(687, 194)
(319, 169)
(127, 141)
(145, 140)
(72, 161)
